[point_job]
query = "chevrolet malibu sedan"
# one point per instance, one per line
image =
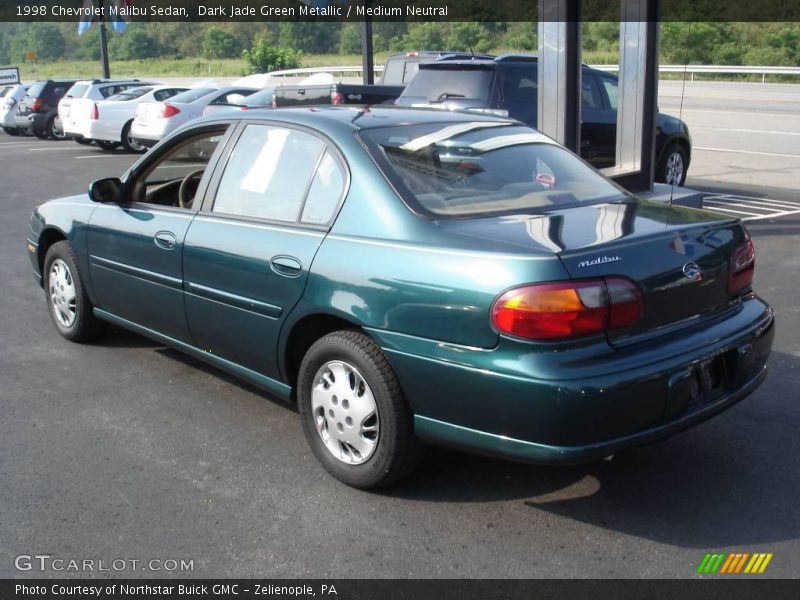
(410, 277)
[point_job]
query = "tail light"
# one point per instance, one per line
(568, 309)
(37, 104)
(337, 98)
(169, 110)
(95, 114)
(244, 107)
(742, 267)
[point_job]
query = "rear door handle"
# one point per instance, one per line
(165, 240)
(287, 266)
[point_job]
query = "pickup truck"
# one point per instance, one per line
(398, 71)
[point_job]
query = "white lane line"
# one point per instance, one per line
(767, 202)
(737, 112)
(51, 149)
(746, 152)
(750, 198)
(729, 203)
(29, 142)
(791, 212)
(738, 212)
(746, 130)
(98, 156)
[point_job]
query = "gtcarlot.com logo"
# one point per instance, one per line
(48, 562)
(735, 563)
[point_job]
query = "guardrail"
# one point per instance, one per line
(356, 70)
(720, 69)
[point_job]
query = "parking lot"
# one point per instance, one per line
(127, 449)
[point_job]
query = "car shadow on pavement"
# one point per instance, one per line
(730, 481)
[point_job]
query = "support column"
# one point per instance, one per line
(559, 71)
(367, 54)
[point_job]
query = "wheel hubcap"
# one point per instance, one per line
(345, 413)
(674, 168)
(136, 146)
(62, 293)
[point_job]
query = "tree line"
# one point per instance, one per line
(695, 42)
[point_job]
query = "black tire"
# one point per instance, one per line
(673, 154)
(53, 132)
(42, 134)
(396, 450)
(13, 131)
(106, 145)
(129, 144)
(85, 326)
(82, 140)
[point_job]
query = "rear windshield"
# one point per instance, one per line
(440, 85)
(77, 90)
(193, 94)
(484, 168)
(131, 94)
(262, 98)
(35, 89)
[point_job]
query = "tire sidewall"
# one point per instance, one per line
(61, 250)
(665, 160)
(371, 472)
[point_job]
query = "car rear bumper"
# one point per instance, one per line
(35, 123)
(149, 133)
(476, 399)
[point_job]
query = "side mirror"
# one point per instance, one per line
(105, 190)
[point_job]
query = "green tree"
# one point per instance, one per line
(218, 43)
(43, 38)
(310, 37)
(520, 37)
(135, 43)
(263, 57)
(423, 36)
(469, 36)
(350, 39)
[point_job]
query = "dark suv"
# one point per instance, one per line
(38, 109)
(507, 84)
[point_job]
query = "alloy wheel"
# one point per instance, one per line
(63, 298)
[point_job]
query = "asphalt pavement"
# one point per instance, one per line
(125, 449)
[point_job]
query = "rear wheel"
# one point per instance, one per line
(130, 144)
(106, 145)
(70, 307)
(42, 134)
(673, 166)
(12, 131)
(353, 412)
(55, 130)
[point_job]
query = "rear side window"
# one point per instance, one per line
(232, 97)
(35, 90)
(610, 86)
(440, 85)
(130, 94)
(519, 84)
(58, 90)
(325, 191)
(268, 173)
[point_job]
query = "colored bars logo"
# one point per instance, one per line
(741, 562)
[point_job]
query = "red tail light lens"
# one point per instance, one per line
(742, 267)
(244, 107)
(337, 98)
(169, 110)
(95, 114)
(568, 309)
(37, 104)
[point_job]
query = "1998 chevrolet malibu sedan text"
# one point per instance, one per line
(410, 275)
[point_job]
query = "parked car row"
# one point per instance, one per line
(136, 114)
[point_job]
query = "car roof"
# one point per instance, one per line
(359, 117)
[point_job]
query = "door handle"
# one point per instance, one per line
(287, 266)
(165, 240)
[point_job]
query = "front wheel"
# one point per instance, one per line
(673, 166)
(353, 412)
(70, 307)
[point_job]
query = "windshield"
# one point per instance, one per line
(77, 90)
(440, 85)
(192, 95)
(466, 169)
(131, 94)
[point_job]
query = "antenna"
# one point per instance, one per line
(680, 118)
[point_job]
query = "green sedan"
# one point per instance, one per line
(412, 277)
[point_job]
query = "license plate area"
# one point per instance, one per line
(697, 384)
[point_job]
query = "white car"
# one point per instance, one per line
(80, 96)
(108, 122)
(154, 120)
(9, 98)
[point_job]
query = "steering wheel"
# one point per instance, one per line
(183, 201)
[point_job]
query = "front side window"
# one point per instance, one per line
(268, 173)
(468, 169)
(173, 177)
